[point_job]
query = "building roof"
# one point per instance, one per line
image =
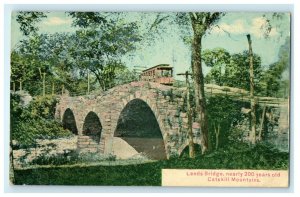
(159, 66)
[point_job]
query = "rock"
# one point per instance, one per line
(25, 97)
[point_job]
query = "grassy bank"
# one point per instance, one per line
(259, 157)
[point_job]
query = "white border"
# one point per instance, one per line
(5, 23)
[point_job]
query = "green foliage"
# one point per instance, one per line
(35, 121)
(28, 21)
(204, 21)
(100, 49)
(185, 151)
(232, 70)
(123, 76)
(275, 80)
(68, 157)
(64, 60)
(87, 19)
(217, 59)
(235, 156)
(223, 114)
(43, 107)
(47, 55)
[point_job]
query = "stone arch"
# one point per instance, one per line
(138, 125)
(92, 126)
(185, 146)
(69, 121)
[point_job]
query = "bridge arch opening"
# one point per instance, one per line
(184, 151)
(92, 126)
(138, 126)
(69, 121)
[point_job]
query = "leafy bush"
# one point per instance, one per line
(35, 121)
(68, 157)
(43, 107)
(223, 114)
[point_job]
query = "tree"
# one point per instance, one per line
(124, 75)
(36, 57)
(237, 72)
(100, 44)
(20, 71)
(194, 26)
(28, 21)
(201, 23)
(252, 99)
(275, 80)
(217, 59)
(223, 113)
(101, 41)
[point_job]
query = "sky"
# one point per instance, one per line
(229, 33)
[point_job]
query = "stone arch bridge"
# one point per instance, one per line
(148, 116)
(141, 117)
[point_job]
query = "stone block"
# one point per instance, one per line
(171, 112)
(92, 150)
(138, 94)
(84, 143)
(185, 120)
(93, 146)
(82, 137)
(81, 146)
(136, 84)
(121, 93)
(183, 115)
(131, 97)
(124, 101)
(93, 142)
(196, 125)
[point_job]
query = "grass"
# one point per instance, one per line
(149, 174)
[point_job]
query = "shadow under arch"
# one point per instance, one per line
(69, 121)
(184, 151)
(92, 126)
(137, 125)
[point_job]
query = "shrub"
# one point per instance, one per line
(68, 157)
(35, 121)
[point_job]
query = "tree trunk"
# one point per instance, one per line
(199, 87)
(12, 165)
(262, 123)
(88, 88)
(20, 85)
(252, 99)
(217, 132)
(189, 113)
(14, 87)
(100, 80)
(52, 88)
(44, 85)
(62, 89)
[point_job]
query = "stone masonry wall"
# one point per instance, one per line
(167, 104)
